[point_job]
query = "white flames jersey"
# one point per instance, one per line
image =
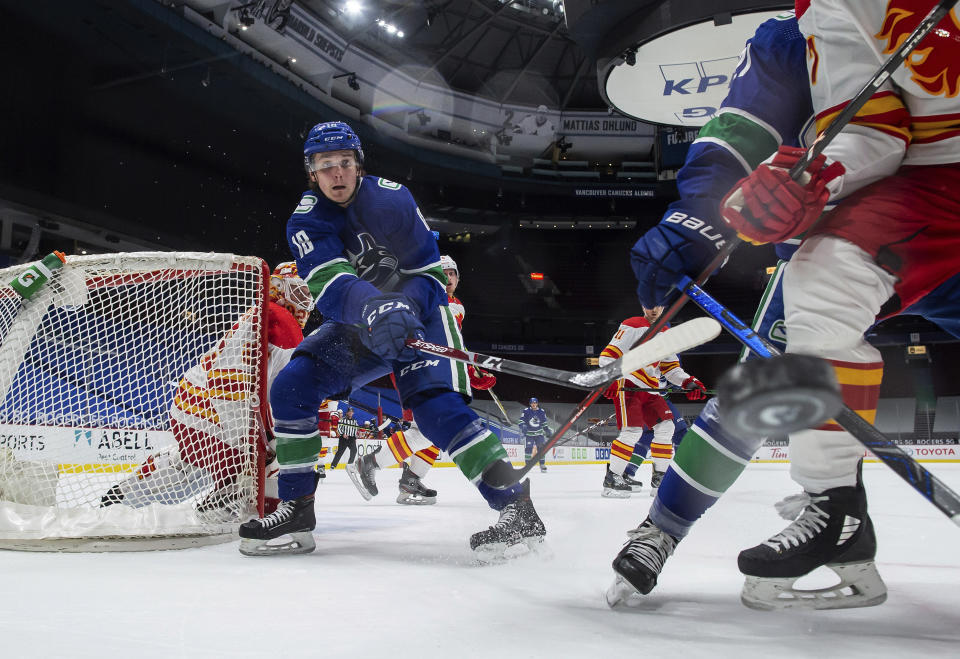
(914, 117)
(456, 306)
(648, 377)
(213, 393)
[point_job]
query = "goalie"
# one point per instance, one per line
(209, 415)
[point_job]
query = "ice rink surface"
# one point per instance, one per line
(398, 581)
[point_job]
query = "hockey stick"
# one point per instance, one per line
(676, 339)
(500, 405)
(535, 458)
(929, 486)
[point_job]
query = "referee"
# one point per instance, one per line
(347, 432)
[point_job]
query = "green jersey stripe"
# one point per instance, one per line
(744, 136)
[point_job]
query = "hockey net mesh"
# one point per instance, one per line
(130, 391)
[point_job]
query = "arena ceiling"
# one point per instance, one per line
(526, 52)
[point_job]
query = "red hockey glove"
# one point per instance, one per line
(769, 207)
(694, 388)
(613, 390)
(481, 380)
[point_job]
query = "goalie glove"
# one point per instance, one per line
(389, 321)
(769, 207)
(481, 380)
(694, 388)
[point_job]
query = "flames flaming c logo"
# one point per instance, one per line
(935, 63)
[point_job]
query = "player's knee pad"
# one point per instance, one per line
(823, 459)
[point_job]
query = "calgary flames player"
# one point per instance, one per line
(409, 447)
(890, 245)
(209, 416)
(639, 405)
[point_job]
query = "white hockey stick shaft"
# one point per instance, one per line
(671, 341)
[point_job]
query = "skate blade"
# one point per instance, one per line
(615, 494)
(653, 491)
(354, 475)
(301, 542)
(619, 592)
(491, 554)
(497, 553)
(415, 499)
(636, 488)
(860, 586)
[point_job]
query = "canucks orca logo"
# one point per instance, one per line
(374, 263)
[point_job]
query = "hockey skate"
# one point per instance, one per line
(113, 496)
(321, 472)
(655, 479)
(519, 524)
(614, 486)
(639, 563)
(225, 503)
(293, 518)
(832, 529)
(412, 490)
(543, 468)
(635, 485)
(363, 473)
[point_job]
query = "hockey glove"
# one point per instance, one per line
(681, 244)
(613, 390)
(389, 320)
(694, 388)
(769, 207)
(481, 380)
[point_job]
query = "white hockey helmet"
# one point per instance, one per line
(446, 263)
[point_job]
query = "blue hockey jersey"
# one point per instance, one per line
(768, 105)
(533, 421)
(380, 243)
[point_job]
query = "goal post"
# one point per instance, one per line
(133, 402)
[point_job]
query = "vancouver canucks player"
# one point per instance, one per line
(372, 265)
(533, 425)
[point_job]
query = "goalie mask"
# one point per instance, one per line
(289, 291)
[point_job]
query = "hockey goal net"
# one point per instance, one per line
(131, 388)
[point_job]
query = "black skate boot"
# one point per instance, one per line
(655, 479)
(294, 518)
(519, 524)
(543, 468)
(832, 529)
(363, 473)
(614, 487)
(412, 490)
(321, 472)
(635, 485)
(113, 496)
(225, 503)
(639, 563)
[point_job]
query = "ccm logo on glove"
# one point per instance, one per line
(387, 306)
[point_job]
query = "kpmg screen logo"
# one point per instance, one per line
(696, 86)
